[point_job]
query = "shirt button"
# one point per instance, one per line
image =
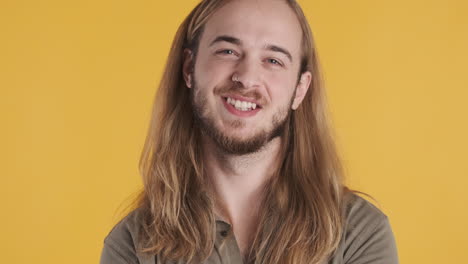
(224, 233)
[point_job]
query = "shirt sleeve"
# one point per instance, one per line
(112, 253)
(373, 242)
(119, 244)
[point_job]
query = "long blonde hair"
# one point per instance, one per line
(303, 205)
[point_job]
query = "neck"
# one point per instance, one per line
(238, 180)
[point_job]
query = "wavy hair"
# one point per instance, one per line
(302, 212)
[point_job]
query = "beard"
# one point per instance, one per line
(230, 144)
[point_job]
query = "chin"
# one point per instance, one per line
(239, 134)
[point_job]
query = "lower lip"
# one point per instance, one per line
(239, 113)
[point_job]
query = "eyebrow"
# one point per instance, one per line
(225, 38)
(238, 42)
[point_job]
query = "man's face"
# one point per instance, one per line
(258, 42)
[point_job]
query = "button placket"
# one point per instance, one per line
(224, 233)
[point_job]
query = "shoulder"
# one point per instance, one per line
(368, 236)
(360, 212)
(120, 243)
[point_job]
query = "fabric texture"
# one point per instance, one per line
(368, 239)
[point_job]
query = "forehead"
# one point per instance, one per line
(256, 23)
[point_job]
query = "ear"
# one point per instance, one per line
(187, 67)
(301, 89)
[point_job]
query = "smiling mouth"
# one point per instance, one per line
(241, 105)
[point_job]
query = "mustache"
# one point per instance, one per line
(239, 90)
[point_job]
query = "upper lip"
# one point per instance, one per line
(242, 98)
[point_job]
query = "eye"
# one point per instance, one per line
(226, 51)
(275, 61)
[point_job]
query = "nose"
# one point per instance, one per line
(248, 73)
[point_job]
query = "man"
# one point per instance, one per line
(239, 165)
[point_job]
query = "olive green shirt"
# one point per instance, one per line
(368, 239)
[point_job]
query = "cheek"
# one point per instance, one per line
(281, 85)
(210, 73)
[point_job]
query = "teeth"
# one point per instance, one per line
(241, 105)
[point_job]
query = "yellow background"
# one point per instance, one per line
(77, 81)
